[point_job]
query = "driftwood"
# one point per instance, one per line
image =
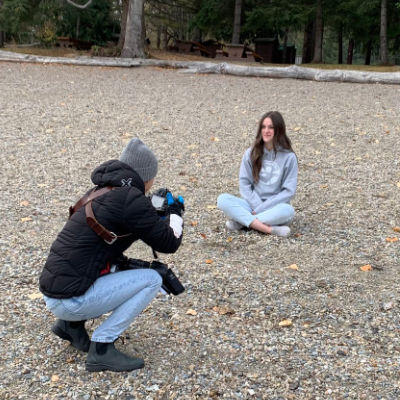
(292, 72)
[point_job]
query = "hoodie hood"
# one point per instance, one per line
(117, 174)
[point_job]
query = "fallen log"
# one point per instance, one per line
(291, 72)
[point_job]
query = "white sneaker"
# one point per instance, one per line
(233, 225)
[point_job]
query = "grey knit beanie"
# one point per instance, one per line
(140, 158)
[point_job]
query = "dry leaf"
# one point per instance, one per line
(55, 378)
(297, 128)
(214, 139)
(229, 239)
(392, 239)
(24, 203)
(366, 267)
(36, 295)
(26, 219)
(223, 310)
(190, 311)
(194, 223)
(209, 261)
(285, 322)
(398, 184)
(396, 229)
(211, 207)
(203, 235)
(294, 267)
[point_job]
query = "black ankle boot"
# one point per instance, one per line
(104, 356)
(73, 331)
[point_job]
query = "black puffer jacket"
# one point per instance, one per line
(78, 254)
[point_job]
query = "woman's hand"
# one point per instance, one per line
(254, 213)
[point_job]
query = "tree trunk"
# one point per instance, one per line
(2, 34)
(236, 22)
(318, 34)
(350, 51)
(196, 35)
(165, 37)
(284, 52)
(78, 23)
(383, 34)
(368, 51)
(134, 38)
(340, 45)
(308, 43)
(124, 17)
(292, 72)
(158, 37)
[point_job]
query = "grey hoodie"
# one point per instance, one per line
(277, 183)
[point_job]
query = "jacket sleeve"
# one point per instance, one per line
(141, 218)
(288, 186)
(246, 183)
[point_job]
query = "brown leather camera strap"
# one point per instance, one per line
(108, 236)
(89, 197)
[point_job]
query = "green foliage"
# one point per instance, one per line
(46, 34)
(268, 20)
(215, 18)
(15, 15)
(48, 19)
(95, 23)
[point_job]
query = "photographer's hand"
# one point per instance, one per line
(176, 223)
(176, 206)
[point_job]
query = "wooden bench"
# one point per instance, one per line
(184, 46)
(70, 43)
(65, 42)
(257, 57)
(242, 52)
(190, 46)
(201, 50)
(220, 53)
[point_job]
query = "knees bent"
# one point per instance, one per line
(223, 200)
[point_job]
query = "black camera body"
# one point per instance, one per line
(170, 282)
(159, 201)
(165, 203)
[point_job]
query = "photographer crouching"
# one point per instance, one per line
(86, 274)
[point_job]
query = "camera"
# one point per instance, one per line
(165, 203)
(170, 282)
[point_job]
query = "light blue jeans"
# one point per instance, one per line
(125, 293)
(239, 210)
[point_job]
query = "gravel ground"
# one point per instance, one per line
(222, 338)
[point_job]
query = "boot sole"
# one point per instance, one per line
(63, 335)
(105, 367)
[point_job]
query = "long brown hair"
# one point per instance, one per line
(280, 140)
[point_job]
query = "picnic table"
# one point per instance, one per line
(239, 52)
(190, 46)
(67, 42)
